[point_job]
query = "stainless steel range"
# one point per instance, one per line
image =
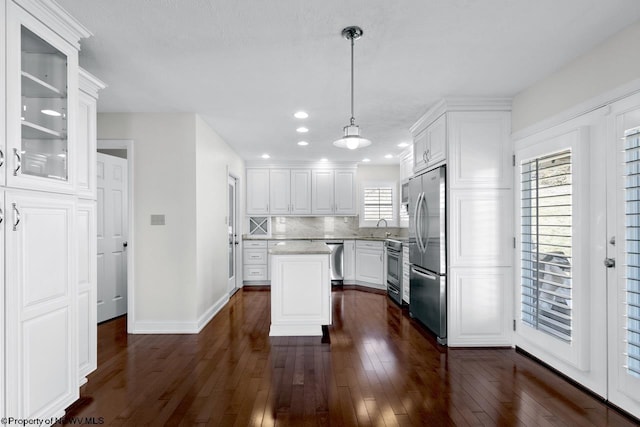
(394, 270)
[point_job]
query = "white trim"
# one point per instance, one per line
(578, 110)
(295, 330)
(161, 327)
(89, 83)
(256, 164)
(206, 317)
(447, 105)
(128, 145)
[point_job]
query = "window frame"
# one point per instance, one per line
(393, 185)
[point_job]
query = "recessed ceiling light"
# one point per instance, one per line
(324, 159)
(366, 160)
(388, 156)
(302, 129)
(265, 156)
(301, 115)
(303, 143)
(403, 144)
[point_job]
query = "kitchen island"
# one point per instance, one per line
(300, 288)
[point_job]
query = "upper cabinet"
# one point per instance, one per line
(257, 191)
(290, 191)
(429, 144)
(42, 105)
(301, 191)
(333, 192)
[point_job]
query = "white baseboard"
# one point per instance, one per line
(162, 327)
(212, 311)
(295, 330)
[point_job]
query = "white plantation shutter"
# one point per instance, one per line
(546, 254)
(378, 203)
(632, 250)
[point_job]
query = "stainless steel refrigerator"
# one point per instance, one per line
(428, 251)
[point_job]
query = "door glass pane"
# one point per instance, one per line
(44, 108)
(546, 211)
(632, 249)
(231, 225)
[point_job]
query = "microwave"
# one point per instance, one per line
(405, 193)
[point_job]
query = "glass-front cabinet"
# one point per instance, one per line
(41, 105)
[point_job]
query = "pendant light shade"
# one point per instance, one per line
(351, 138)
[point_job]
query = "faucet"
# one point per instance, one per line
(385, 222)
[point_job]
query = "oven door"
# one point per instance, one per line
(394, 273)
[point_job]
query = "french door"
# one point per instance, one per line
(232, 224)
(578, 261)
(623, 256)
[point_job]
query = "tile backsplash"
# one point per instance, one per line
(338, 226)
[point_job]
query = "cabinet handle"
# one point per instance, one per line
(18, 162)
(17, 215)
(1, 158)
(424, 156)
(1, 216)
(428, 153)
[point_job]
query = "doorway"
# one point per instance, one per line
(125, 292)
(232, 223)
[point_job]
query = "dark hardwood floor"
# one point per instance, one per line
(379, 368)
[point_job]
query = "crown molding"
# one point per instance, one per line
(447, 105)
(256, 164)
(89, 83)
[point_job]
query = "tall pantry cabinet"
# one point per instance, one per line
(48, 212)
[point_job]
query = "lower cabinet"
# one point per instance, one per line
(370, 263)
(254, 257)
(87, 288)
(41, 304)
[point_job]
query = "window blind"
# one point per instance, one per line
(378, 203)
(546, 201)
(632, 250)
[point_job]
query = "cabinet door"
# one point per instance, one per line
(370, 266)
(86, 146)
(41, 305)
(437, 141)
(322, 192)
(345, 192)
(420, 151)
(257, 191)
(301, 191)
(349, 260)
(86, 232)
(42, 104)
(3, 146)
(279, 191)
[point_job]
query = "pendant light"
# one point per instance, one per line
(351, 138)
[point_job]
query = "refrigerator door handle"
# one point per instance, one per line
(417, 222)
(426, 206)
(427, 275)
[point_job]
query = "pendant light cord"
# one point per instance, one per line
(353, 119)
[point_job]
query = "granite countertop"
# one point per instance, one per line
(298, 248)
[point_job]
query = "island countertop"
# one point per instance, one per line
(300, 248)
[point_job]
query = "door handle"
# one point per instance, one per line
(18, 162)
(17, 216)
(125, 244)
(1, 158)
(609, 262)
(420, 273)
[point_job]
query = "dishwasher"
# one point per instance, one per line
(336, 260)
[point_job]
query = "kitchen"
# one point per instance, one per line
(182, 165)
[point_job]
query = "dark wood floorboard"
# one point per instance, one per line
(379, 369)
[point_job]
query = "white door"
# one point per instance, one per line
(322, 192)
(300, 191)
(112, 236)
(623, 256)
(560, 280)
(233, 234)
(257, 191)
(345, 184)
(279, 192)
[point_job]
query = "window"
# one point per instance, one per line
(632, 249)
(546, 250)
(378, 202)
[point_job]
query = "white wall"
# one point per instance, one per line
(610, 65)
(213, 158)
(164, 183)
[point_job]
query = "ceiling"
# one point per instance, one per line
(247, 65)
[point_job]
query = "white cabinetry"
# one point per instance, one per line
(370, 263)
(429, 143)
(41, 305)
(480, 216)
(406, 165)
(48, 230)
(290, 191)
(255, 261)
(257, 191)
(349, 262)
(333, 192)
